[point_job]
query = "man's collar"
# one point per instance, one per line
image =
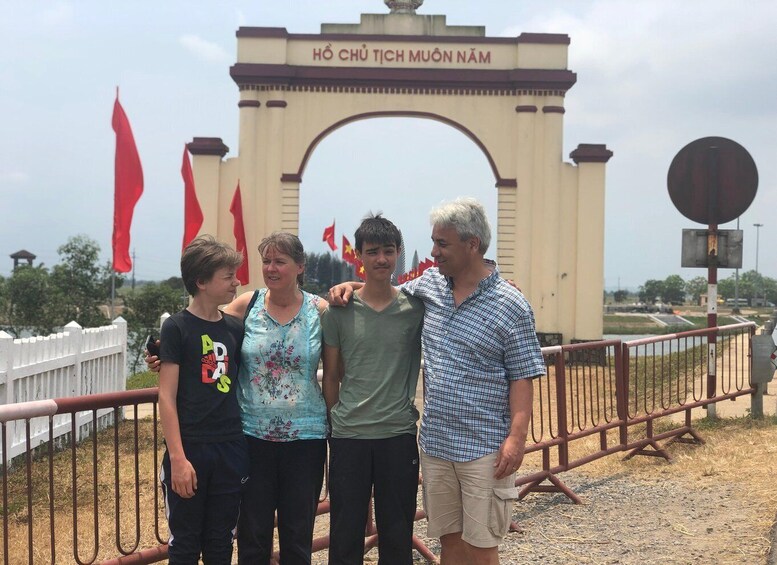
(490, 279)
(487, 281)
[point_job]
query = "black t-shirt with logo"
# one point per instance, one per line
(207, 355)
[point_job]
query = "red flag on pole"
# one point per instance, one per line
(329, 236)
(349, 255)
(192, 213)
(236, 209)
(128, 186)
(360, 270)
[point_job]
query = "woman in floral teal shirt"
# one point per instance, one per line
(282, 408)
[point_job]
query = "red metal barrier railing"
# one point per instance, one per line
(668, 374)
(83, 486)
(603, 389)
(597, 387)
(91, 491)
(577, 398)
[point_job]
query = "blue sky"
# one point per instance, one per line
(652, 76)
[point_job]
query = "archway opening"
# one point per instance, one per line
(402, 167)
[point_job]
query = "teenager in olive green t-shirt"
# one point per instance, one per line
(376, 342)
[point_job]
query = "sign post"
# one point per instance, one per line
(712, 180)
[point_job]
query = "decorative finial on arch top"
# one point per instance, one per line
(403, 6)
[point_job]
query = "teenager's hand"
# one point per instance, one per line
(184, 478)
(511, 282)
(340, 294)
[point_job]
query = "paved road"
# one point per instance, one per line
(741, 405)
(671, 319)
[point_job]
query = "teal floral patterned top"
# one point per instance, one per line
(280, 398)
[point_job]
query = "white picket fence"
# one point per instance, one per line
(74, 362)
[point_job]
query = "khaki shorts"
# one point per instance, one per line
(465, 497)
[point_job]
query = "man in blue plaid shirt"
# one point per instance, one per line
(480, 353)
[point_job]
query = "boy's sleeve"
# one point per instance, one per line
(171, 343)
(329, 329)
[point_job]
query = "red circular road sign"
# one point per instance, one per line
(712, 180)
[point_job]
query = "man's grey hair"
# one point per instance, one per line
(467, 216)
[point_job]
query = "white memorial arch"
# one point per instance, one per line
(505, 94)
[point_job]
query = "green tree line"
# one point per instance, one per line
(675, 290)
(39, 299)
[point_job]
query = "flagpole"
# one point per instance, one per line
(113, 263)
(113, 293)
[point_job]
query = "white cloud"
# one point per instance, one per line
(13, 177)
(242, 20)
(205, 50)
(57, 16)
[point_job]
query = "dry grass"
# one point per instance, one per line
(58, 490)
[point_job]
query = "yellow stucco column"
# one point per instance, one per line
(274, 150)
(591, 160)
(547, 242)
(567, 252)
(250, 108)
(526, 117)
(207, 154)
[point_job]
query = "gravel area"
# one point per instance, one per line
(627, 520)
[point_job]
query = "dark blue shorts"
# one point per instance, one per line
(205, 524)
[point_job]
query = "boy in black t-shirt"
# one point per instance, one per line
(206, 461)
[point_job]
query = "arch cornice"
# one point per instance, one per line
(248, 75)
(282, 33)
(297, 176)
(207, 146)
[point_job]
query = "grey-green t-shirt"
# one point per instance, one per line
(381, 352)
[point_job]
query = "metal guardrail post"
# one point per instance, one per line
(622, 391)
(561, 409)
(762, 370)
(757, 401)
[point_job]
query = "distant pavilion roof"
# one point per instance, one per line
(23, 254)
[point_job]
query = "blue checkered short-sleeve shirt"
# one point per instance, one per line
(471, 353)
